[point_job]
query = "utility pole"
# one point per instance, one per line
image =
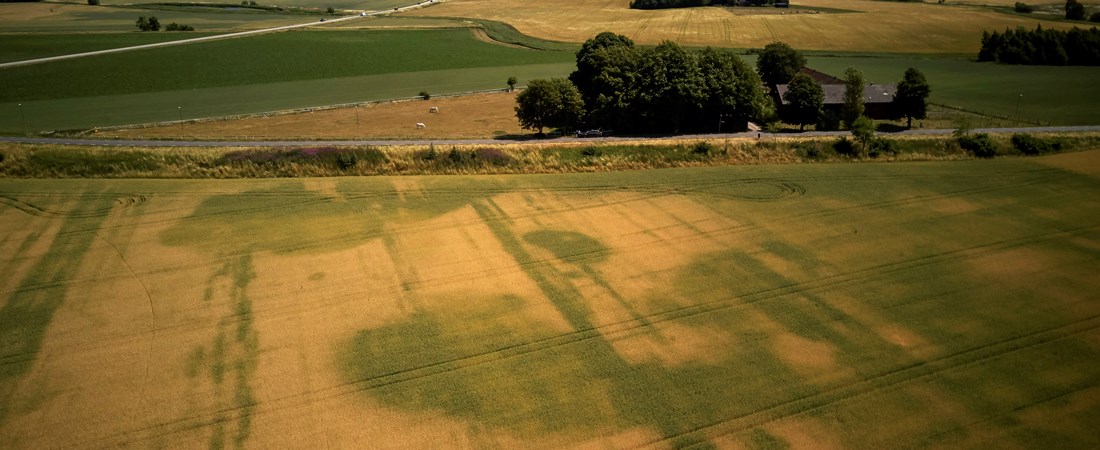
(357, 121)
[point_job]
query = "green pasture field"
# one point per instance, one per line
(278, 57)
(367, 5)
(19, 47)
(69, 18)
(862, 306)
(261, 73)
(1050, 95)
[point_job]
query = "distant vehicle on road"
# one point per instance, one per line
(590, 133)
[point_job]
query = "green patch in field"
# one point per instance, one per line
(30, 307)
(292, 219)
(568, 245)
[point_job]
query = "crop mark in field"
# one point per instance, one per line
(232, 356)
(26, 315)
(36, 210)
(895, 379)
(849, 279)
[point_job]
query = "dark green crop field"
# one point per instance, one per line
(280, 57)
(20, 47)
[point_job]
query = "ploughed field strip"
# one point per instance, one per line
(843, 306)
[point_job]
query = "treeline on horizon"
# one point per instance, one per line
(1076, 47)
(665, 4)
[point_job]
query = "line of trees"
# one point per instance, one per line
(668, 89)
(663, 4)
(153, 24)
(1076, 47)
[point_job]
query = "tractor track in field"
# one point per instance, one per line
(894, 379)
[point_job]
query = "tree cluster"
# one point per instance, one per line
(549, 103)
(663, 4)
(177, 27)
(1075, 10)
(150, 24)
(1022, 7)
(665, 89)
(1076, 47)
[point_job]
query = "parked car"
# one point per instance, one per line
(590, 133)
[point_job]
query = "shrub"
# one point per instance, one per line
(882, 147)
(492, 156)
(1023, 8)
(93, 2)
(425, 95)
(330, 10)
(981, 145)
(1031, 145)
(811, 150)
(845, 147)
(702, 148)
(1095, 17)
(431, 154)
(346, 160)
(454, 155)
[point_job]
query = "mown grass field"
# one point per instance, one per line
(910, 305)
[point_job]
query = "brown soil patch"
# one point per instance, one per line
(481, 116)
(1087, 162)
(482, 36)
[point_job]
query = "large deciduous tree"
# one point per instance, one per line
(734, 93)
(606, 76)
(853, 97)
(805, 101)
(911, 101)
(778, 63)
(670, 88)
(1075, 10)
(549, 103)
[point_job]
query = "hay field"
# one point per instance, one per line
(481, 116)
(833, 306)
(872, 26)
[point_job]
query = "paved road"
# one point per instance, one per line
(311, 23)
(160, 143)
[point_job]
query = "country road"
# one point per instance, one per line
(301, 143)
(311, 23)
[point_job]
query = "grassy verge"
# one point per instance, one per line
(53, 161)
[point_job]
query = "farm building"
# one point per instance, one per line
(878, 99)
